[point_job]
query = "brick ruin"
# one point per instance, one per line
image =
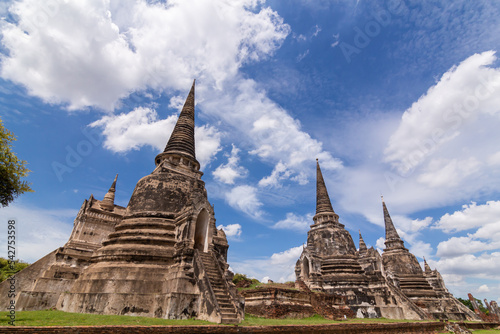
(493, 314)
(392, 285)
(161, 256)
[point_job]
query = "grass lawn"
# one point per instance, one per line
(487, 331)
(314, 320)
(59, 318)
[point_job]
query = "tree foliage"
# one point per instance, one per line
(12, 169)
(468, 303)
(6, 271)
(242, 277)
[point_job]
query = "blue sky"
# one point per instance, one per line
(395, 98)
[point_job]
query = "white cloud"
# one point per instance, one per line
(380, 244)
(483, 288)
(141, 127)
(280, 267)
(485, 238)
(38, 231)
(447, 172)
(469, 265)
(265, 279)
(233, 231)
(302, 56)
(230, 171)
(440, 153)
(437, 117)
(92, 53)
(244, 198)
(421, 249)
(95, 53)
(316, 31)
(457, 246)
(278, 174)
(295, 222)
(272, 134)
(471, 216)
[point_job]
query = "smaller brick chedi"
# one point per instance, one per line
(161, 256)
(391, 285)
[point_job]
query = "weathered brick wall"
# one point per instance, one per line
(426, 327)
(316, 329)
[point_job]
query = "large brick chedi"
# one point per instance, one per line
(162, 256)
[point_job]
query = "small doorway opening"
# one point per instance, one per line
(305, 268)
(201, 231)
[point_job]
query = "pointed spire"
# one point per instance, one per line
(182, 138)
(108, 203)
(392, 239)
(427, 267)
(390, 230)
(362, 246)
(323, 204)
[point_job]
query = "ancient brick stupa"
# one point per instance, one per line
(162, 256)
(392, 285)
(330, 263)
(425, 289)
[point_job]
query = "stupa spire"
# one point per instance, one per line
(182, 138)
(427, 267)
(108, 202)
(323, 204)
(362, 246)
(392, 239)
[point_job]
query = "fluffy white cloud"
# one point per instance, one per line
(142, 127)
(92, 53)
(380, 244)
(486, 216)
(244, 198)
(466, 90)
(483, 288)
(38, 231)
(233, 231)
(295, 222)
(269, 131)
(280, 267)
(485, 238)
(230, 171)
(447, 172)
(442, 151)
(279, 173)
(457, 246)
(469, 265)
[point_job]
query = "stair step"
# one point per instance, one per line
(229, 315)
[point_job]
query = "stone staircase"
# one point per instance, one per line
(227, 309)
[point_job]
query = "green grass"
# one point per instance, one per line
(251, 320)
(59, 318)
(487, 331)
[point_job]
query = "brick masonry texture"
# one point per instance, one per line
(421, 327)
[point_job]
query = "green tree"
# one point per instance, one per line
(12, 169)
(468, 303)
(7, 269)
